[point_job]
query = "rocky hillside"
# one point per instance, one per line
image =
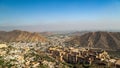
(105, 40)
(18, 35)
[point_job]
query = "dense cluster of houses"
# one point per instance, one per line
(29, 55)
(82, 56)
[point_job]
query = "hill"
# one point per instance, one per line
(105, 40)
(17, 35)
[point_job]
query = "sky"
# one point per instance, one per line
(59, 15)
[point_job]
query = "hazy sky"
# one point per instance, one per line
(58, 15)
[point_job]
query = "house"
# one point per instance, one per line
(117, 63)
(3, 45)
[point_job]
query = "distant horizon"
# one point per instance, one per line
(59, 15)
(64, 31)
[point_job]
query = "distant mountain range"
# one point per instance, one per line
(104, 40)
(77, 33)
(17, 35)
